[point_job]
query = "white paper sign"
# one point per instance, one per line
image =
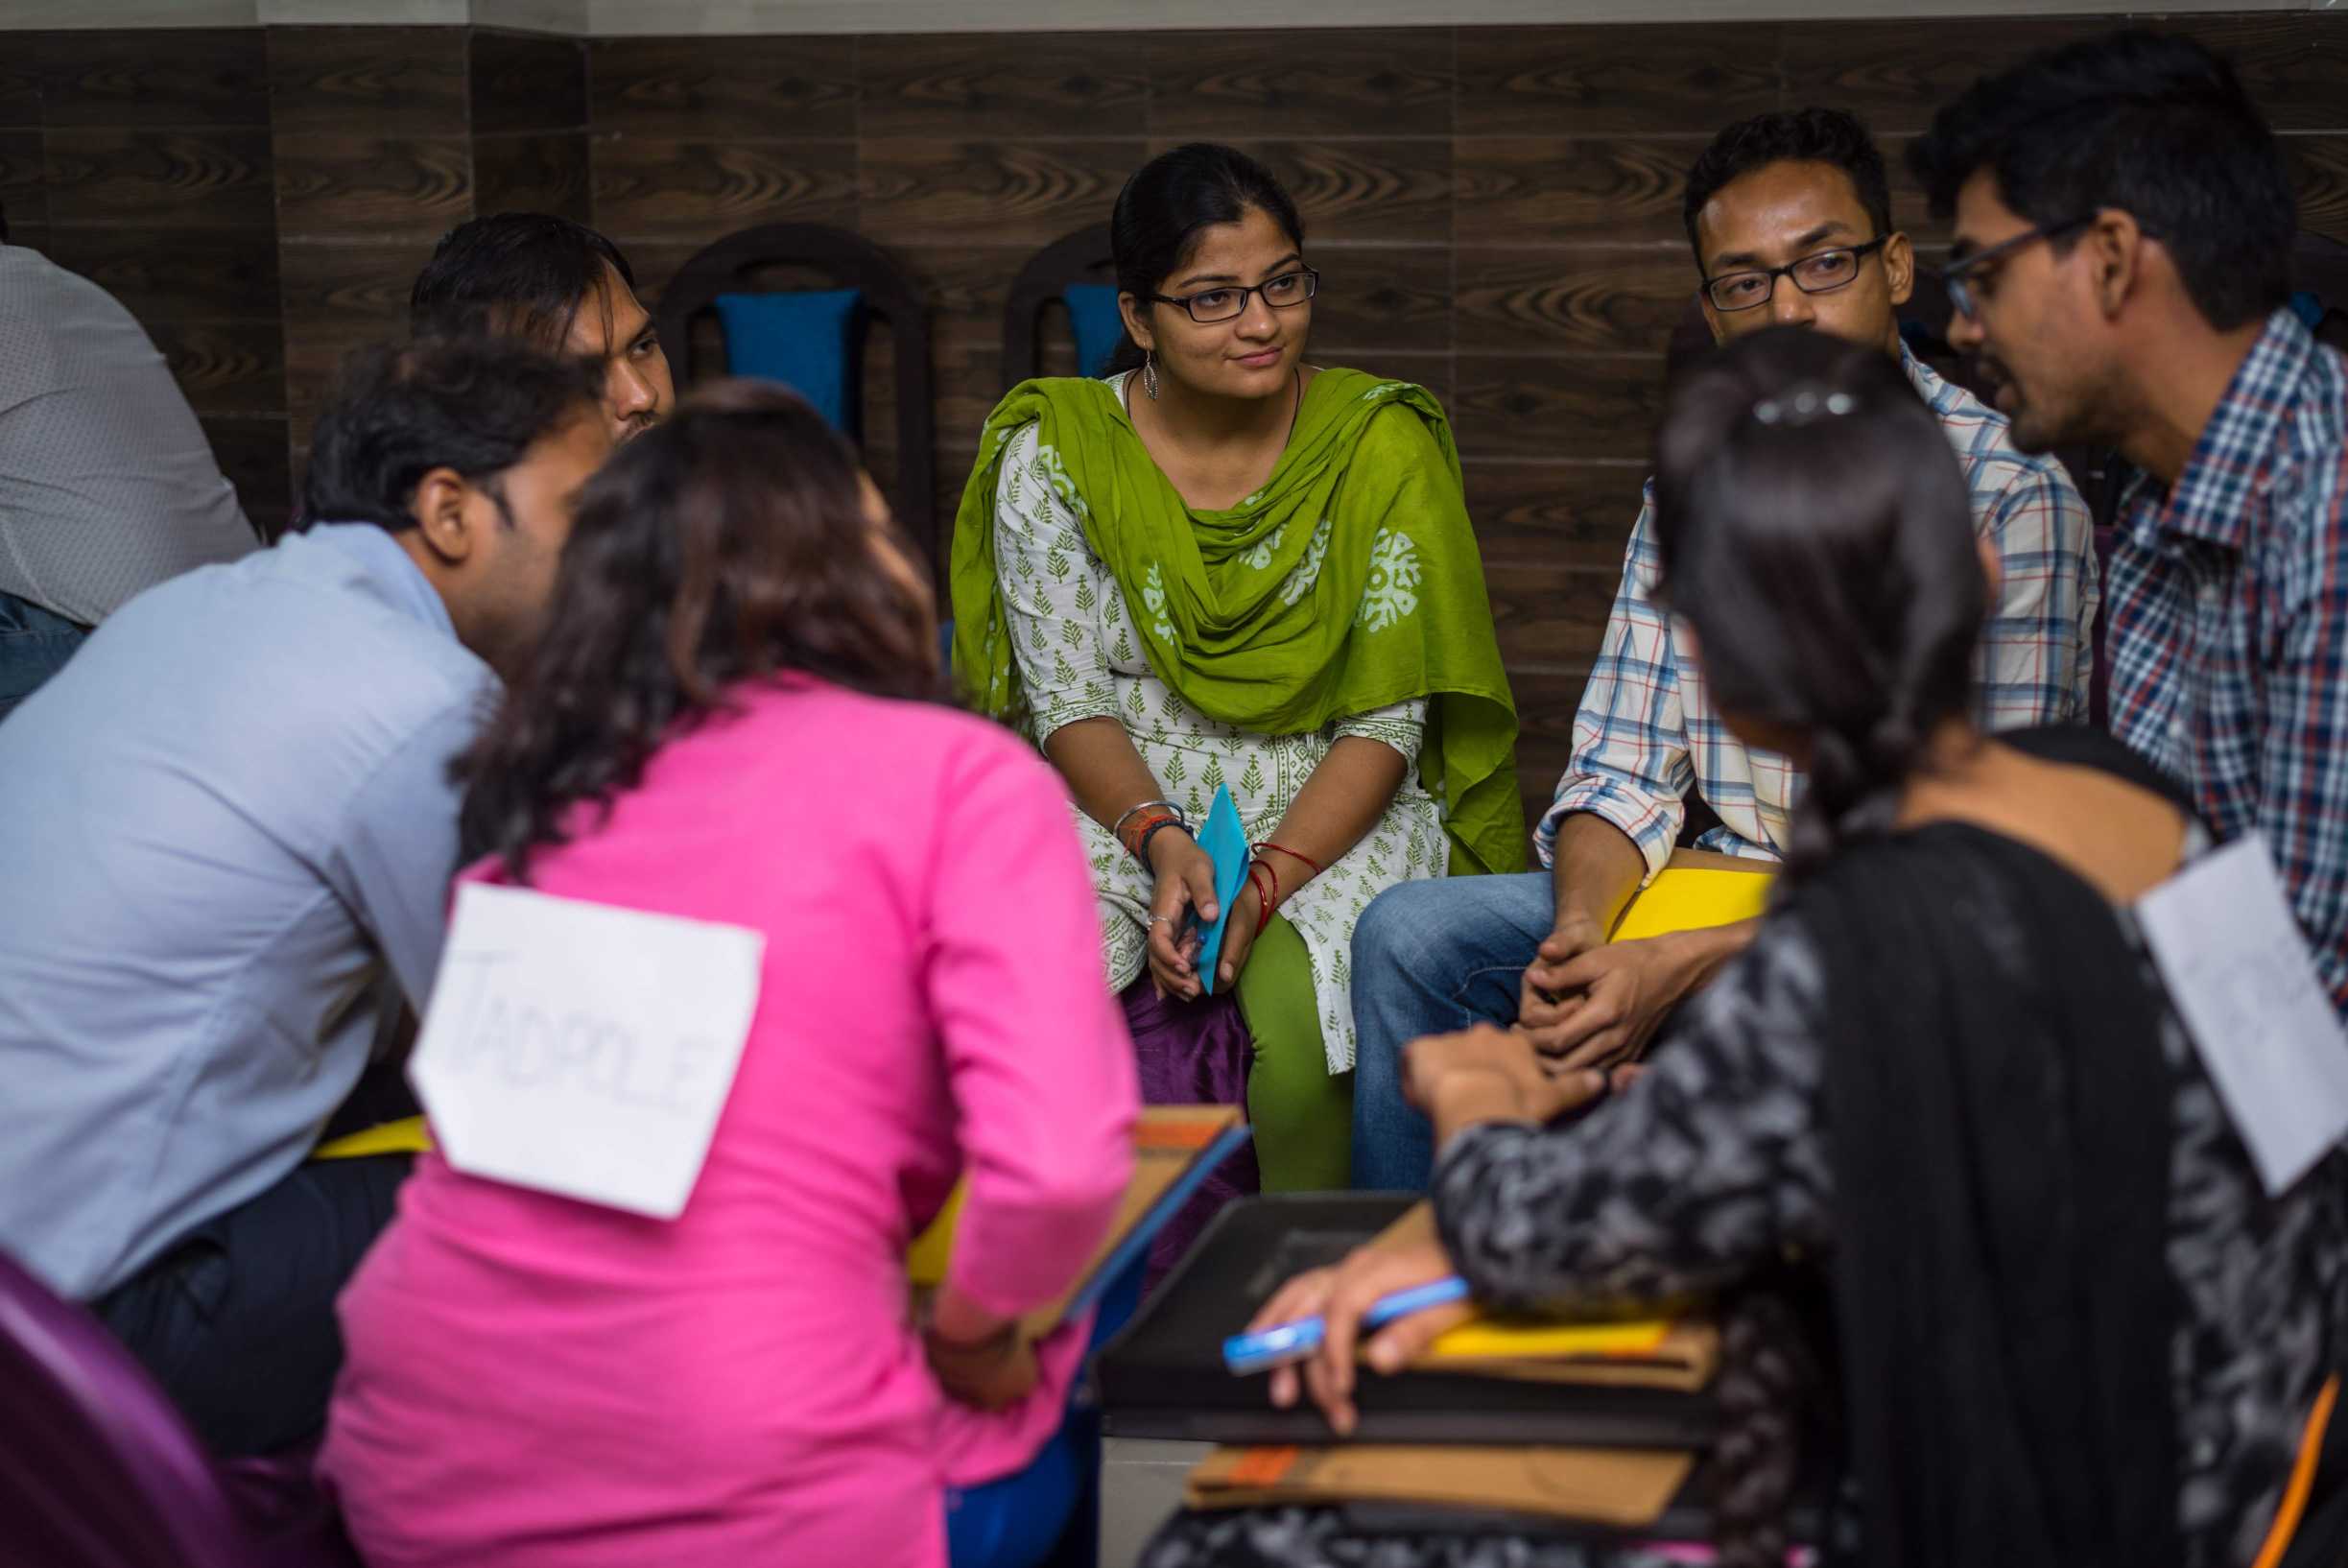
(2243, 982)
(583, 1050)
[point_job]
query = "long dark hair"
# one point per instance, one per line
(727, 544)
(1818, 534)
(1167, 202)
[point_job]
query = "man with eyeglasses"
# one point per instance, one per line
(2124, 229)
(1790, 215)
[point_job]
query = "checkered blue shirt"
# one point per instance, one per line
(2229, 624)
(1647, 732)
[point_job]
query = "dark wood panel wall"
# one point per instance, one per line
(1495, 211)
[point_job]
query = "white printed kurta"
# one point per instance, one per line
(1078, 659)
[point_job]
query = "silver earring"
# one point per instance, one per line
(1149, 374)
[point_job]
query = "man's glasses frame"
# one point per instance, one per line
(1958, 276)
(1190, 302)
(1856, 252)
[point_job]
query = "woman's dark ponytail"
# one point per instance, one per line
(1167, 202)
(1817, 535)
(1772, 1392)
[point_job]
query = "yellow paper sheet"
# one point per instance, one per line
(405, 1137)
(1684, 897)
(1492, 1339)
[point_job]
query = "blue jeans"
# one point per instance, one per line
(35, 645)
(1427, 957)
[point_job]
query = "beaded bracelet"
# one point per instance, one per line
(1135, 838)
(1118, 829)
(1158, 825)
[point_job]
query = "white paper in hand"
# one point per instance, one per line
(2241, 975)
(583, 1050)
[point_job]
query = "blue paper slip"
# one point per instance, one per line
(1225, 842)
(1246, 1353)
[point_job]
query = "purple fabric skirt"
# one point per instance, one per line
(1192, 1054)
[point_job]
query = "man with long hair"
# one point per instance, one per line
(560, 286)
(236, 805)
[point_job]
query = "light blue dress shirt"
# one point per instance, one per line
(218, 822)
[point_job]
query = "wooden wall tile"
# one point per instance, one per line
(1383, 296)
(1547, 700)
(191, 76)
(225, 366)
(1539, 191)
(1595, 408)
(648, 185)
(1550, 616)
(1324, 82)
(2320, 169)
(1366, 191)
(195, 179)
(524, 81)
(2283, 60)
(531, 172)
(780, 88)
(372, 186)
(384, 81)
(1008, 85)
(1614, 80)
(1572, 300)
(251, 450)
(340, 297)
(20, 92)
(1553, 513)
(1894, 74)
(162, 274)
(24, 189)
(1022, 194)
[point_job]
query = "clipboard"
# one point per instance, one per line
(1225, 842)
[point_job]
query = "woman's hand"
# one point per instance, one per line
(1340, 1298)
(1185, 885)
(1239, 936)
(1489, 1075)
(989, 1373)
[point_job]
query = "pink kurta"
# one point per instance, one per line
(538, 1383)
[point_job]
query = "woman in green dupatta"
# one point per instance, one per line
(1232, 569)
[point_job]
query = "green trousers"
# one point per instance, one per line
(1303, 1115)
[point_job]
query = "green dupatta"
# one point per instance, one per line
(1348, 583)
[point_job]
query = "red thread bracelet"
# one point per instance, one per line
(1317, 867)
(1265, 903)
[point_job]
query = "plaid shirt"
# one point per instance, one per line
(1647, 731)
(2229, 624)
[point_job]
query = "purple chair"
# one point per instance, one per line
(96, 1469)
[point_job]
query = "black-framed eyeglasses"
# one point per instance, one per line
(1211, 305)
(1821, 271)
(1958, 276)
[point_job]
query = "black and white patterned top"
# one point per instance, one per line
(1715, 1160)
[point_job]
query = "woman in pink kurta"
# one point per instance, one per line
(534, 1382)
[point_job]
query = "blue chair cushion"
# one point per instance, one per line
(1092, 309)
(803, 338)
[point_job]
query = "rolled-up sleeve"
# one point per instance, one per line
(1629, 764)
(1402, 725)
(1036, 1050)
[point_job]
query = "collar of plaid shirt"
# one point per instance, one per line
(2234, 456)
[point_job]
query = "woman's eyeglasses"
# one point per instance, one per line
(1821, 271)
(1211, 305)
